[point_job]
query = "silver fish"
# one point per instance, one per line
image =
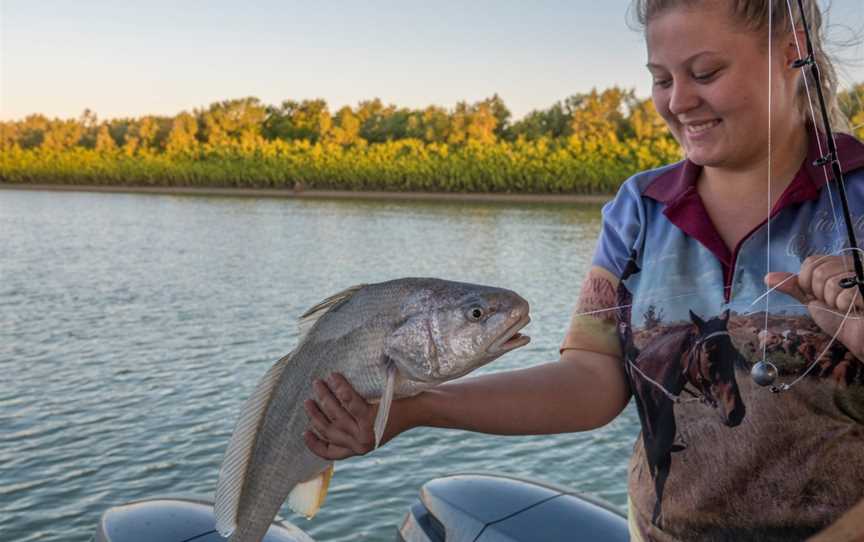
(394, 338)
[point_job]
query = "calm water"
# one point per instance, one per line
(132, 327)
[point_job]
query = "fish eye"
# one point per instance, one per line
(476, 313)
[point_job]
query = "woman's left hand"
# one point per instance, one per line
(818, 287)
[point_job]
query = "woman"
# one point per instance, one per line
(667, 311)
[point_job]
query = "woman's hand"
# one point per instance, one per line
(818, 287)
(584, 390)
(342, 420)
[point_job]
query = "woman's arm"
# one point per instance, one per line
(584, 390)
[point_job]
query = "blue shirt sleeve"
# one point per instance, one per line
(622, 229)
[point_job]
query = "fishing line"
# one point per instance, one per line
(795, 275)
(768, 224)
(676, 398)
(786, 387)
(764, 373)
(642, 301)
(648, 301)
(797, 305)
(672, 397)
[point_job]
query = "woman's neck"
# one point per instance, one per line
(738, 199)
(750, 180)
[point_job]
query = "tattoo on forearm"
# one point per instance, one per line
(597, 297)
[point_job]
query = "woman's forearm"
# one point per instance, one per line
(582, 391)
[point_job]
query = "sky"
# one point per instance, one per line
(124, 58)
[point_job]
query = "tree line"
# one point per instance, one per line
(587, 143)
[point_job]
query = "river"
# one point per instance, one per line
(132, 328)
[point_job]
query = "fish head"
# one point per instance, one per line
(449, 329)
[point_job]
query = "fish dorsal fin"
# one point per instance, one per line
(308, 319)
(238, 457)
(307, 497)
(386, 401)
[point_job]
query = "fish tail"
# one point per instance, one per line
(235, 470)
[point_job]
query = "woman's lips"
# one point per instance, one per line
(699, 128)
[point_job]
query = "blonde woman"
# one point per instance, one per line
(667, 315)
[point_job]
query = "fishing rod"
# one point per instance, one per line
(832, 157)
(764, 372)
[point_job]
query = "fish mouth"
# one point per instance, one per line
(511, 339)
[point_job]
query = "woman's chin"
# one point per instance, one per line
(699, 158)
(704, 157)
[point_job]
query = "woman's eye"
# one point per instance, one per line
(707, 76)
(662, 82)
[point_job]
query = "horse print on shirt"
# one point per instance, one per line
(696, 361)
(696, 358)
(714, 445)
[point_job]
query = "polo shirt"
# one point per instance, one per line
(719, 457)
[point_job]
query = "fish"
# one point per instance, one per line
(390, 339)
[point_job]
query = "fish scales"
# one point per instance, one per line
(418, 332)
(281, 442)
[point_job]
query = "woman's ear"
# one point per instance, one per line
(795, 46)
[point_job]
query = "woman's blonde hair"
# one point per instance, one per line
(753, 15)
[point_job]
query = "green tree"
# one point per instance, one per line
(367, 113)
(32, 130)
(379, 123)
(432, 125)
(600, 115)
(309, 120)
(346, 127)
(475, 122)
(644, 123)
(61, 135)
(145, 129)
(8, 135)
(553, 123)
(119, 128)
(104, 142)
(502, 115)
(851, 102)
(90, 125)
(182, 136)
(483, 123)
(232, 120)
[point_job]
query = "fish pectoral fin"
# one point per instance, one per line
(307, 497)
(386, 401)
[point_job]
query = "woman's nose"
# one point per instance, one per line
(683, 98)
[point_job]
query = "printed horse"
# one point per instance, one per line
(701, 355)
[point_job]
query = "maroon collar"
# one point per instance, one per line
(676, 187)
(674, 184)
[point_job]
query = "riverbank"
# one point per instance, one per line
(321, 194)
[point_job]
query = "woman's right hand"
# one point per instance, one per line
(342, 421)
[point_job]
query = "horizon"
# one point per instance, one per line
(128, 61)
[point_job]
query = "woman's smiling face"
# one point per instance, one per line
(711, 84)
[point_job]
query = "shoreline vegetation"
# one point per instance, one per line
(587, 144)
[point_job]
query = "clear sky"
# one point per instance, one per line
(130, 58)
